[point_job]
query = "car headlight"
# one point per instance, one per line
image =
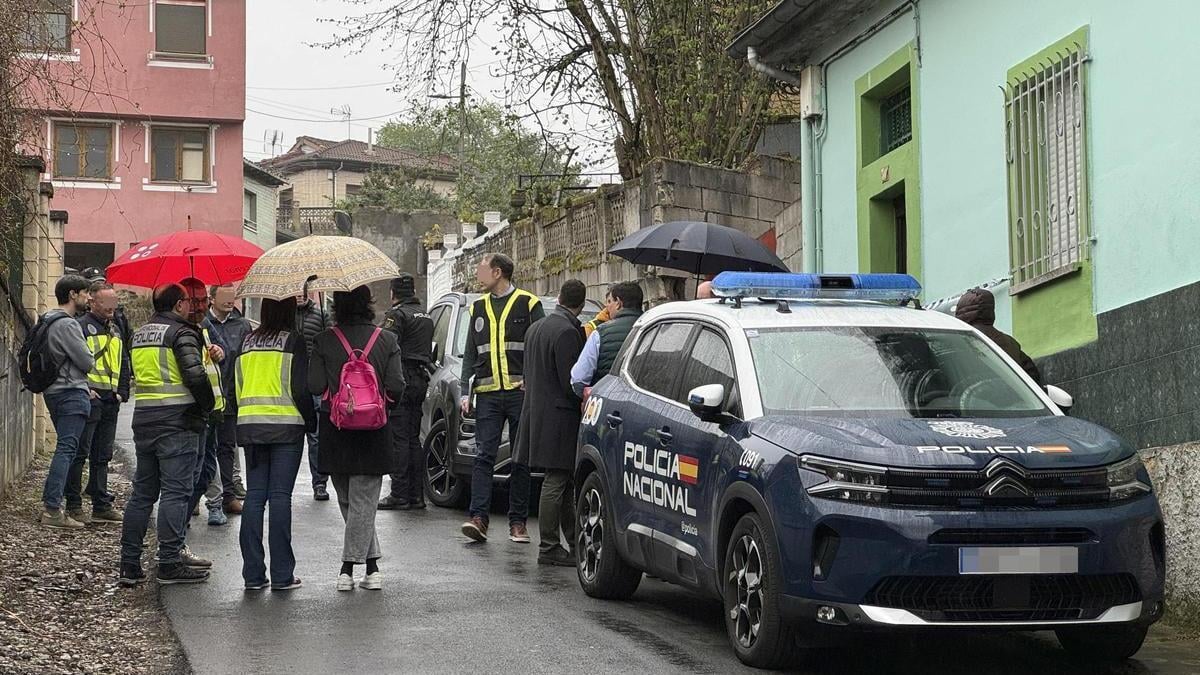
(847, 481)
(1128, 479)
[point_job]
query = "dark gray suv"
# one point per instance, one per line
(448, 437)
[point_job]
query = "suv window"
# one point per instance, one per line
(656, 364)
(460, 329)
(710, 363)
(441, 328)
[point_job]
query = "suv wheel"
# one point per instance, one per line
(1103, 644)
(756, 628)
(602, 572)
(443, 487)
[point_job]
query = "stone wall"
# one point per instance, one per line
(1175, 472)
(556, 245)
(399, 234)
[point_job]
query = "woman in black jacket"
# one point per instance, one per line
(274, 410)
(356, 460)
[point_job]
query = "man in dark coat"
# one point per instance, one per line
(311, 321)
(414, 329)
(978, 308)
(550, 418)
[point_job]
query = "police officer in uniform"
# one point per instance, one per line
(492, 364)
(108, 385)
(172, 404)
(414, 329)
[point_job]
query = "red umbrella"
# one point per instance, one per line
(214, 259)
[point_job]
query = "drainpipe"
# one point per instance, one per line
(808, 220)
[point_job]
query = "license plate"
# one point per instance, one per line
(1018, 560)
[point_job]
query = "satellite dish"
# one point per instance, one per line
(344, 221)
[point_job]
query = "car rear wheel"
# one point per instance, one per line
(602, 572)
(442, 486)
(757, 630)
(1103, 644)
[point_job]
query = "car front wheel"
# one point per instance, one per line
(602, 572)
(1103, 644)
(442, 486)
(759, 634)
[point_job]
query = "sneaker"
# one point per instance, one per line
(216, 516)
(131, 575)
(475, 529)
(191, 560)
(320, 493)
(390, 503)
(258, 586)
(179, 573)
(290, 586)
(372, 582)
(239, 490)
(518, 533)
(80, 516)
(59, 520)
(557, 556)
(345, 582)
(109, 515)
(233, 507)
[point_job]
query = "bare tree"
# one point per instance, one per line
(655, 69)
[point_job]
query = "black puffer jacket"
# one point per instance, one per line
(311, 321)
(978, 308)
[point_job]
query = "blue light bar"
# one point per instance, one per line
(797, 286)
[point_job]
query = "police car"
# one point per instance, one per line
(818, 452)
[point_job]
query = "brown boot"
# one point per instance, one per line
(475, 528)
(233, 507)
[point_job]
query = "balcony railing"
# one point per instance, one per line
(305, 220)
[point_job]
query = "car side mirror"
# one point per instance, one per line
(708, 403)
(1061, 398)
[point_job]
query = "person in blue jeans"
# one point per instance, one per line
(274, 411)
(68, 400)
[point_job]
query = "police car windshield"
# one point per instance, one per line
(856, 371)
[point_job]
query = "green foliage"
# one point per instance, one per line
(497, 149)
(396, 191)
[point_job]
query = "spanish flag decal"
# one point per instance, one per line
(689, 469)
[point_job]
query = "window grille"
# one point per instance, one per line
(1045, 153)
(896, 114)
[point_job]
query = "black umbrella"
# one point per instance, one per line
(699, 248)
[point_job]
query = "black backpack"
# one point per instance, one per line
(37, 367)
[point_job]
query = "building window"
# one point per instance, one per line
(179, 155)
(83, 150)
(250, 211)
(181, 28)
(49, 28)
(896, 119)
(80, 255)
(1046, 156)
(353, 190)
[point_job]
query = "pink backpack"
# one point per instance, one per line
(358, 404)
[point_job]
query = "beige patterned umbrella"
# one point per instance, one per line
(327, 264)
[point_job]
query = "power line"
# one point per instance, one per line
(300, 119)
(347, 86)
(285, 106)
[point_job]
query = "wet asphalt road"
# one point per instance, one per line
(451, 606)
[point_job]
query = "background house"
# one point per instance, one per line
(1036, 145)
(260, 199)
(136, 153)
(323, 173)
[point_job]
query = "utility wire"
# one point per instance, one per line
(301, 119)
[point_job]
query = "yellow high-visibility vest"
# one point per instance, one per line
(107, 372)
(263, 382)
(159, 380)
(214, 374)
(500, 355)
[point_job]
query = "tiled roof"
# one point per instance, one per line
(358, 152)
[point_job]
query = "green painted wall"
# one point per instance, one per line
(1144, 205)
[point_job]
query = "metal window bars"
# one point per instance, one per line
(896, 113)
(1044, 151)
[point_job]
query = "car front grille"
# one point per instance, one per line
(1001, 484)
(1033, 597)
(1015, 536)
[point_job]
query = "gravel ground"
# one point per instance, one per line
(61, 610)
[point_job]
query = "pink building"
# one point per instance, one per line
(154, 135)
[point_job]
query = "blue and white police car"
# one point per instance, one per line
(817, 451)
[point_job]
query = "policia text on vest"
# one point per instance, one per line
(164, 397)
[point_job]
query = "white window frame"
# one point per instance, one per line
(157, 59)
(149, 185)
(113, 182)
(69, 56)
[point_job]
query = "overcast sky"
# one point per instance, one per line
(286, 78)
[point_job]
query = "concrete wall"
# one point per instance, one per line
(399, 236)
(1175, 472)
